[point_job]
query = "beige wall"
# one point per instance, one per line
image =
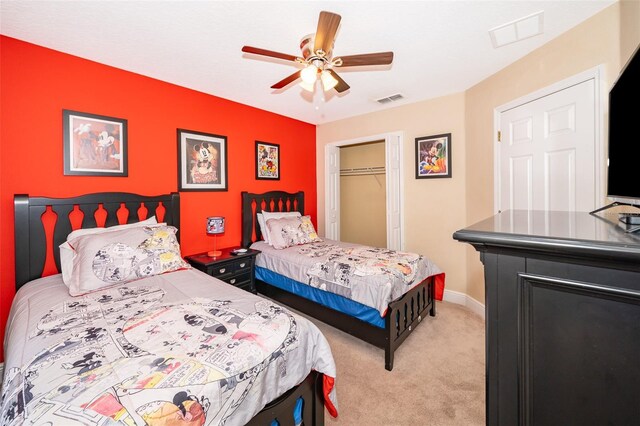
(594, 42)
(629, 29)
(433, 208)
(363, 211)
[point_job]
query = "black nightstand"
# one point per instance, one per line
(235, 269)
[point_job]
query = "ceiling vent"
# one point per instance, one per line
(517, 30)
(389, 99)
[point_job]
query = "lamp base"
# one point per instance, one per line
(214, 253)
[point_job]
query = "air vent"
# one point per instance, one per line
(389, 99)
(517, 30)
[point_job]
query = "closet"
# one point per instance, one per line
(363, 194)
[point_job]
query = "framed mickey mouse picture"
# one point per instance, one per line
(94, 145)
(202, 161)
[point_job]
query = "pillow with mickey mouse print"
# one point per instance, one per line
(124, 255)
(291, 231)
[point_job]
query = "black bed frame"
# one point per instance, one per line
(403, 314)
(31, 246)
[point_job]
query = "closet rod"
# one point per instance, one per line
(359, 171)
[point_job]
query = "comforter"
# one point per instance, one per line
(178, 348)
(368, 275)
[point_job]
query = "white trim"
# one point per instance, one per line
(596, 74)
(464, 300)
(386, 137)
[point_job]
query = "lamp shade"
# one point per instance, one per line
(309, 74)
(215, 225)
(328, 81)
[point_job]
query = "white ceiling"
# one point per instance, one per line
(440, 47)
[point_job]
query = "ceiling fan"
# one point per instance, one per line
(317, 58)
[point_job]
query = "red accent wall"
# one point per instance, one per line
(36, 84)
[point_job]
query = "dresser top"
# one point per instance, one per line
(551, 231)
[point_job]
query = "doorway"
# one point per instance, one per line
(392, 183)
(363, 194)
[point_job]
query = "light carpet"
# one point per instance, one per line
(438, 376)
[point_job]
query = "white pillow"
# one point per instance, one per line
(119, 256)
(274, 215)
(67, 253)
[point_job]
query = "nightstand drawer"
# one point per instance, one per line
(220, 271)
(243, 265)
(237, 279)
(238, 267)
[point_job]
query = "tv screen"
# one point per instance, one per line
(623, 172)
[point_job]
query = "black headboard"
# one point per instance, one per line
(273, 201)
(30, 239)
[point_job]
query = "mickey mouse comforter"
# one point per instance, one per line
(368, 275)
(173, 349)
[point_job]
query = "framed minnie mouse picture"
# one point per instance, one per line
(94, 145)
(267, 161)
(202, 161)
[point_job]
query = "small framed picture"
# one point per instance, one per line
(94, 145)
(267, 161)
(433, 156)
(202, 161)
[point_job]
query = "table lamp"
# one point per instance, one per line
(215, 226)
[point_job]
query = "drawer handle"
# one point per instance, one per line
(233, 281)
(223, 270)
(242, 265)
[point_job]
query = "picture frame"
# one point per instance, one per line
(202, 161)
(433, 156)
(94, 145)
(267, 161)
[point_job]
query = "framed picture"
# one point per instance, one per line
(94, 145)
(202, 161)
(267, 161)
(433, 156)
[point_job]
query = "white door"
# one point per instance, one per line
(547, 152)
(394, 198)
(332, 189)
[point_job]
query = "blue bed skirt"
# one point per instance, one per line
(330, 300)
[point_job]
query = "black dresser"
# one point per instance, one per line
(562, 318)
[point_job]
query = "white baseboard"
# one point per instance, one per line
(464, 300)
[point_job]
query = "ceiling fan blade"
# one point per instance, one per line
(380, 58)
(326, 33)
(271, 53)
(286, 81)
(342, 85)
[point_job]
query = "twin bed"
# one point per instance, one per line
(297, 277)
(182, 347)
(170, 348)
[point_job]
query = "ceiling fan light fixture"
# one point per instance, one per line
(309, 87)
(317, 58)
(309, 74)
(328, 81)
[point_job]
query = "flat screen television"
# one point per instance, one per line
(623, 178)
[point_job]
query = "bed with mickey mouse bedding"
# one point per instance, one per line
(129, 334)
(376, 294)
